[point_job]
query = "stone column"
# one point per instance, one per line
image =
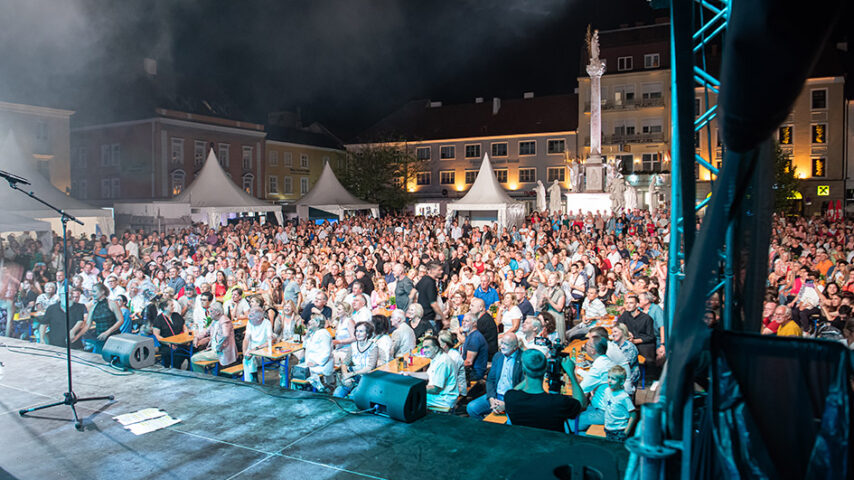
(593, 173)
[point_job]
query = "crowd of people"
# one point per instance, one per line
(488, 306)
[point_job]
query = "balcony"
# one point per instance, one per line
(615, 139)
(610, 105)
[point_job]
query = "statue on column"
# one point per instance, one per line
(575, 176)
(541, 196)
(655, 183)
(554, 197)
(617, 189)
(631, 200)
(610, 173)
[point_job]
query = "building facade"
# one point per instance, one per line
(813, 135)
(527, 139)
(44, 132)
(157, 157)
(635, 103)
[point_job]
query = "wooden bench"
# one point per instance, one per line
(207, 364)
(495, 418)
(596, 431)
(303, 384)
(233, 370)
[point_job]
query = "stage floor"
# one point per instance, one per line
(229, 430)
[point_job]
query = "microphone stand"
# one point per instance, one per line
(70, 398)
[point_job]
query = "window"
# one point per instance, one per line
(422, 178)
(819, 133)
(178, 178)
(623, 127)
(82, 191)
(528, 147)
(651, 162)
(650, 91)
(818, 99)
(111, 188)
(447, 152)
(288, 186)
(473, 151)
(625, 163)
(556, 146)
(177, 151)
(556, 173)
(105, 188)
(247, 157)
(785, 135)
(696, 107)
(273, 158)
(651, 60)
(248, 180)
(288, 159)
(624, 94)
(303, 161)
(499, 149)
(818, 167)
(624, 63)
(501, 175)
(447, 177)
(198, 153)
(82, 157)
(303, 185)
(105, 155)
(471, 175)
(223, 154)
(423, 153)
(272, 184)
(527, 175)
(116, 153)
(651, 126)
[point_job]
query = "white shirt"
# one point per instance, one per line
(509, 315)
(618, 408)
(442, 373)
(403, 340)
(457, 359)
(384, 345)
(259, 335)
(362, 315)
(596, 379)
(318, 349)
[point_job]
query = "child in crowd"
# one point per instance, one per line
(620, 413)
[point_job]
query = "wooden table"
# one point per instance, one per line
(240, 323)
(393, 366)
(279, 351)
(181, 341)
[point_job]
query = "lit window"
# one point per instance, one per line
(556, 173)
(471, 175)
(501, 175)
(818, 167)
(785, 135)
(819, 133)
(178, 179)
(651, 60)
(422, 178)
(248, 181)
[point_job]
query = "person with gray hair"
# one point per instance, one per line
(404, 289)
(402, 336)
(259, 333)
(222, 346)
(506, 372)
(532, 329)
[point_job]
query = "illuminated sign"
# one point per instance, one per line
(823, 190)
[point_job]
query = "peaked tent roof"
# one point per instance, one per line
(329, 191)
(13, 160)
(486, 190)
(213, 189)
(12, 222)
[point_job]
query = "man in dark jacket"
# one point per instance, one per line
(641, 327)
(485, 324)
(506, 373)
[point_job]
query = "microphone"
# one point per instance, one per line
(12, 178)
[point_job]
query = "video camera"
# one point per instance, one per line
(554, 370)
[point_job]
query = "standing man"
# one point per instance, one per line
(404, 290)
(54, 317)
(428, 296)
(485, 324)
(640, 325)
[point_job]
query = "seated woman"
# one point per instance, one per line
(361, 360)
(259, 333)
(318, 351)
(383, 339)
(620, 336)
(285, 322)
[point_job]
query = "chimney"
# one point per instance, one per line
(496, 105)
(527, 95)
(150, 66)
(478, 99)
(435, 104)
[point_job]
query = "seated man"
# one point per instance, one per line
(442, 387)
(592, 310)
(485, 324)
(402, 337)
(475, 352)
(220, 336)
(506, 372)
(594, 381)
(788, 327)
(531, 406)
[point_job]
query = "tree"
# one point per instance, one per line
(380, 173)
(785, 182)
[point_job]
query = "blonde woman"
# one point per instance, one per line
(456, 308)
(380, 295)
(509, 313)
(342, 316)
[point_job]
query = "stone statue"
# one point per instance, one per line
(541, 196)
(593, 44)
(554, 197)
(655, 182)
(617, 189)
(575, 177)
(610, 172)
(631, 195)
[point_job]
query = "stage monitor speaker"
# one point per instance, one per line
(129, 351)
(399, 397)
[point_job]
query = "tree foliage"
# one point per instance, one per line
(785, 181)
(379, 173)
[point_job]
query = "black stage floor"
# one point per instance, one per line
(230, 431)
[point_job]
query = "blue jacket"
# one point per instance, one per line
(495, 373)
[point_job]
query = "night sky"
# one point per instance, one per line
(343, 63)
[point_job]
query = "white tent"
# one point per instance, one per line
(11, 222)
(13, 160)
(330, 196)
(487, 201)
(213, 196)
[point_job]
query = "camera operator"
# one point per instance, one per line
(529, 405)
(506, 372)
